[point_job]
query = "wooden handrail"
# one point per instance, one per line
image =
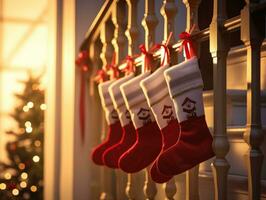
(230, 25)
(94, 28)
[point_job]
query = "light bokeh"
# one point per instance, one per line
(23, 50)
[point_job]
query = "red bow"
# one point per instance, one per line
(187, 44)
(101, 76)
(81, 63)
(82, 60)
(147, 57)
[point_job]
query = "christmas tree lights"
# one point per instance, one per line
(22, 177)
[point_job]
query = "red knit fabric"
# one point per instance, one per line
(144, 151)
(112, 155)
(170, 135)
(193, 147)
(114, 136)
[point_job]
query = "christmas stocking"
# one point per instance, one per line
(156, 92)
(114, 128)
(112, 155)
(195, 142)
(149, 141)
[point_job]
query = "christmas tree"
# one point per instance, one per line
(22, 176)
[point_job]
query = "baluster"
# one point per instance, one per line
(96, 109)
(219, 50)
(192, 7)
(192, 187)
(252, 34)
(192, 183)
(149, 23)
(106, 55)
(132, 34)
(119, 43)
(118, 18)
(192, 13)
(106, 38)
(169, 11)
(149, 189)
(95, 51)
(170, 189)
(131, 189)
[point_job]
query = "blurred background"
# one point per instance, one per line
(25, 41)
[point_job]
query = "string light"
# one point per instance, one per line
(15, 192)
(2, 186)
(29, 129)
(25, 108)
(24, 175)
(36, 158)
(23, 184)
(33, 188)
(21, 166)
(30, 104)
(28, 124)
(8, 176)
(37, 143)
(43, 106)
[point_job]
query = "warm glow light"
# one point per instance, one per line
(21, 166)
(43, 106)
(8, 176)
(25, 108)
(37, 143)
(2, 186)
(23, 184)
(28, 124)
(24, 175)
(33, 188)
(36, 158)
(15, 192)
(30, 104)
(29, 129)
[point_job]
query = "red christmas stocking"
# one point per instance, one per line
(149, 140)
(195, 142)
(156, 92)
(112, 155)
(114, 128)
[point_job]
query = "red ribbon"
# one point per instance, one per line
(112, 69)
(187, 45)
(81, 63)
(101, 76)
(147, 57)
(113, 72)
(130, 67)
(166, 54)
